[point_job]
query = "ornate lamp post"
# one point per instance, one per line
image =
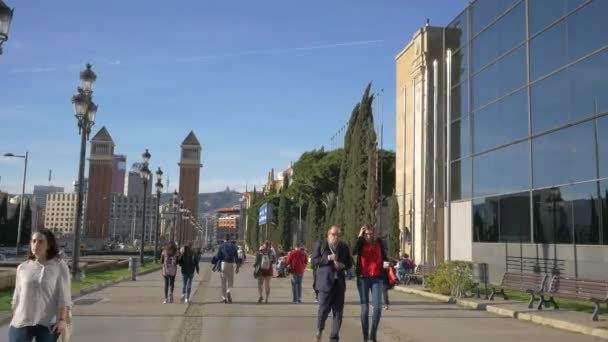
(85, 111)
(145, 176)
(159, 191)
(6, 16)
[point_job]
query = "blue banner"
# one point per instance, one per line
(265, 213)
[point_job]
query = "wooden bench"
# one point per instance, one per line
(595, 291)
(532, 283)
(421, 272)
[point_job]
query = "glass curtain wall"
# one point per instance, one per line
(529, 130)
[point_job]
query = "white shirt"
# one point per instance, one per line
(40, 290)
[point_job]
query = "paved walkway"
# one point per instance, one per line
(133, 311)
(128, 311)
(410, 318)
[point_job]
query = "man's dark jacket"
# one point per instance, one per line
(327, 274)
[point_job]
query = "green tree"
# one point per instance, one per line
(357, 195)
(394, 234)
(8, 233)
(314, 223)
(3, 211)
(284, 221)
(252, 235)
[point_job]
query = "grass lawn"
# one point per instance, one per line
(91, 279)
(564, 304)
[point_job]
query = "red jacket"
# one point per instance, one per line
(297, 259)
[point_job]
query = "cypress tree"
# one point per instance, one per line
(394, 234)
(357, 198)
(284, 221)
(3, 210)
(312, 223)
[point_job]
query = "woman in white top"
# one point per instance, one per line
(42, 295)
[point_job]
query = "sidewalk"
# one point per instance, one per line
(128, 311)
(409, 319)
(578, 322)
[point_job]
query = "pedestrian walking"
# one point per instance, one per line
(188, 261)
(297, 261)
(229, 261)
(169, 259)
(42, 297)
(371, 266)
(263, 269)
(314, 267)
(332, 259)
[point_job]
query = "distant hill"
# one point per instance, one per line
(210, 202)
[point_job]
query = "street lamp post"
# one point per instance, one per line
(145, 176)
(6, 16)
(85, 111)
(181, 223)
(174, 216)
(25, 157)
(159, 191)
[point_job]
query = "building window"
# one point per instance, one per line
(502, 171)
(485, 12)
(564, 156)
(461, 179)
(587, 29)
(604, 210)
(542, 13)
(502, 36)
(602, 132)
(501, 122)
(511, 72)
(502, 218)
(457, 32)
(460, 138)
(460, 70)
(460, 101)
(562, 214)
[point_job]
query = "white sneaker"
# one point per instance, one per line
(165, 301)
(186, 300)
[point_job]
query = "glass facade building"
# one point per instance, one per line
(529, 120)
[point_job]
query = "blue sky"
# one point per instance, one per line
(259, 82)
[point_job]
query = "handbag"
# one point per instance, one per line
(392, 279)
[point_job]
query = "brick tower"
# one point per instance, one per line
(97, 224)
(189, 176)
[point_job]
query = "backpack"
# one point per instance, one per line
(170, 266)
(265, 263)
(240, 254)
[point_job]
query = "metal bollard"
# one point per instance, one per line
(133, 266)
(481, 276)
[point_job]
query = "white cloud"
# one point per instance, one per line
(277, 51)
(32, 70)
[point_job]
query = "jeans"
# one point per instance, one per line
(187, 288)
(365, 286)
(169, 285)
(27, 334)
(296, 287)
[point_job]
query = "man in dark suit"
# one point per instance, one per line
(332, 258)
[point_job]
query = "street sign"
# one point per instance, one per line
(265, 213)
